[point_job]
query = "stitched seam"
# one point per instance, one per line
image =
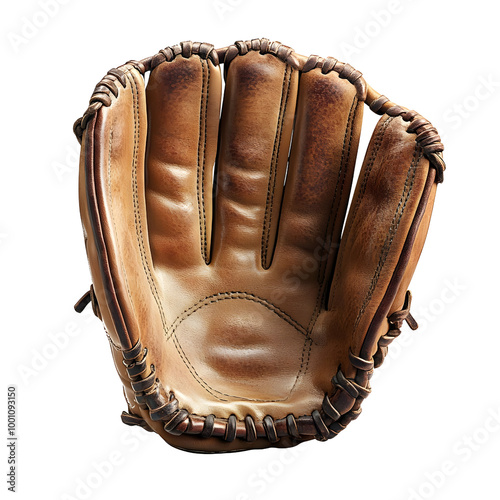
(233, 295)
(212, 299)
(110, 340)
(268, 214)
(307, 341)
(200, 178)
(396, 220)
(193, 372)
(344, 159)
(321, 297)
(208, 387)
(243, 296)
(346, 155)
(342, 171)
(377, 145)
(137, 215)
(138, 222)
(198, 160)
(111, 209)
(205, 249)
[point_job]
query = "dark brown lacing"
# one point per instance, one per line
(343, 405)
(107, 89)
(101, 97)
(426, 135)
(108, 85)
(396, 320)
(337, 410)
(344, 70)
(85, 299)
(261, 45)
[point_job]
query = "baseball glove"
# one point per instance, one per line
(241, 311)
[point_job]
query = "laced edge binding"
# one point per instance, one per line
(337, 409)
(426, 135)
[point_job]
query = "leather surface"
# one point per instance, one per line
(213, 231)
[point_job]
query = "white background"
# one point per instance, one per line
(435, 405)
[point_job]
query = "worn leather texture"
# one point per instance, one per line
(246, 306)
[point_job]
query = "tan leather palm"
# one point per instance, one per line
(238, 316)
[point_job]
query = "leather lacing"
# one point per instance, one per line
(396, 320)
(323, 425)
(107, 89)
(100, 97)
(344, 70)
(85, 299)
(426, 135)
(336, 412)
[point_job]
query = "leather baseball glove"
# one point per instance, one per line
(243, 308)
